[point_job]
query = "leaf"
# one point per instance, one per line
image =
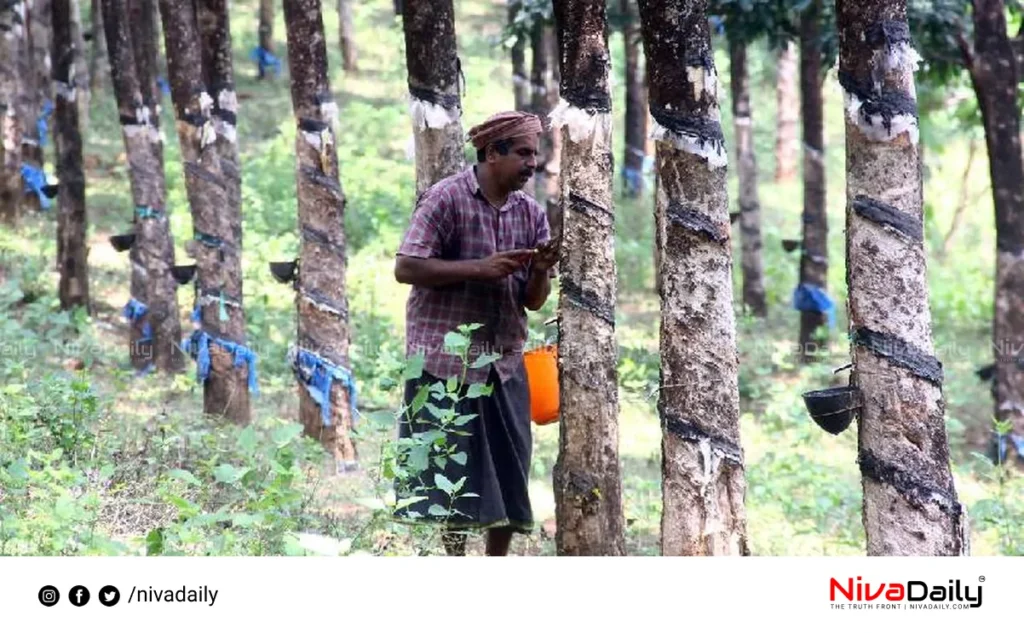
(455, 343)
(451, 385)
(444, 484)
(477, 390)
(436, 411)
(155, 542)
(437, 511)
(441, 462)
(228, 474)
(419, 400)
(184, 475)
(462, 420)
(283, 435)
(414, 367)
(418, 458)
(459, 458)
(483, 360)
(405, 503)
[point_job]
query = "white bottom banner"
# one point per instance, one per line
(514, 594)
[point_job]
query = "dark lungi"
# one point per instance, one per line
(498, 450)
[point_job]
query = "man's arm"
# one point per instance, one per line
(434, 272)
(538, 287)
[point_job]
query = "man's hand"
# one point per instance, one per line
(546, 256)
(501, 265)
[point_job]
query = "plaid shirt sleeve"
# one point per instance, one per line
(429, 227)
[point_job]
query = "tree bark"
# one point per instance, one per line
(814, 254)
(432, 60)
(99, 70)
(636, 105)
(545, 97)
(12, 45)
(266, 30)
(587, 484)
(520, 82)
(81, 62)
(910, 503)
(322, 300)
(787, 143)
(73, 288)
(347, 36)
(152, 254)
(37, 90)
(703, 480)
(750, 206)
(211, 182)
(995, 73)
(146, 53)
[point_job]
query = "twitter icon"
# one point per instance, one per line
(109, 596)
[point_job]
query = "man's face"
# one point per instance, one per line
(516, 167)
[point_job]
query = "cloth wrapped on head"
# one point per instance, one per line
(502, 126)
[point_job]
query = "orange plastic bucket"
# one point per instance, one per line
(542, 376)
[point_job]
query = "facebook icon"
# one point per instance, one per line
(78, 595)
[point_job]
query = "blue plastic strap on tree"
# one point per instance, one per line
(148, 212)
(198, 347)
(42, 125)
(265, 59)
(164, 86)
(1001, 446)
(210, 240)
(135, 310)
(811, 298)
(35, 180)
(634, 179)
(318, 376)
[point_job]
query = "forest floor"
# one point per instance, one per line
(137, 468)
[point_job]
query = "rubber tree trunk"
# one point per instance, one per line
(37, 89)
(347, 37)
(995, 76)
(910, 504)
(520, 81)
(73, 288)
(11, 53)
(703, 481)
(211, 184)
(82, 94)
(750, 205)
(152, 254)
(636, 105)
(322, 300)
(787, 141)
(544, 92)
(587, 481)
(99, 69)
(266, 33)
(814, 252)
(433, 64)
(146, 52)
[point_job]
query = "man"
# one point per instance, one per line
(477, 251)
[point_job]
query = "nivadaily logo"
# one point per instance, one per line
(913, 594)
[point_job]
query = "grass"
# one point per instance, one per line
(803, 496)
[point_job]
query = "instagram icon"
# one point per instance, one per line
(49, 596)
